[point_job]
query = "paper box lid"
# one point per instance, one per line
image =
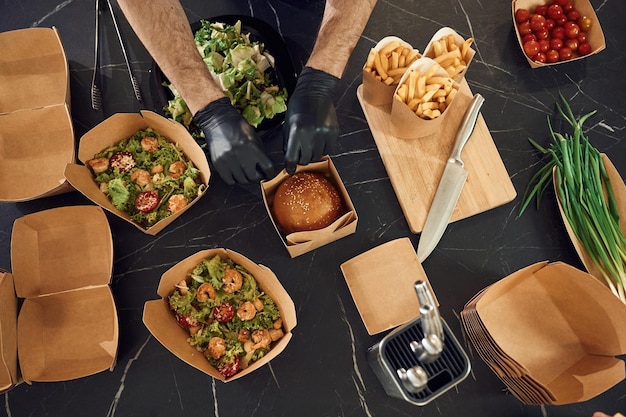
(32, 161)
(121, 126)
(159, 319)
(9, 369)
(61, 249)
(299, 243)
(34, 69)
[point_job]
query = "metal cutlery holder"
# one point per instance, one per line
(394, 352)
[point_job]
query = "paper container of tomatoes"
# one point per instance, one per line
(122, 126)
(162, 323)
(540, 24)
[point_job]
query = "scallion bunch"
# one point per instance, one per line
(586, 196)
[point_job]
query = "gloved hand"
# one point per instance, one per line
(311, 126)
(234, 149)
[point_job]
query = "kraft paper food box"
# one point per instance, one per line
(121, 126)
(32, 159)
(74, 246)
(299, 243)
(595, 33)
(160, 320)
(459, 41)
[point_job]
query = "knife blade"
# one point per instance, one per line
(450, 185)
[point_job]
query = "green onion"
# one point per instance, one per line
(586, 196)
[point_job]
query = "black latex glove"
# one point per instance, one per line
(311, 127)
(236, 152)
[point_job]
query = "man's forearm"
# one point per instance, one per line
(340, 30)
(163, 28)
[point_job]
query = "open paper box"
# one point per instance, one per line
(555, 326)
(302, 242)
(121, 126)
(596, 36)
(34, 92)
(57, 313)
(160, 320)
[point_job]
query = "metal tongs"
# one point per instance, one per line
(96, 95)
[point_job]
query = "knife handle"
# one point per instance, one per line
(466, 128)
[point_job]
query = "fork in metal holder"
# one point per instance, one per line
(96, 92)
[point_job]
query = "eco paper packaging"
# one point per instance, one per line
(397, 261)
(378, 92)
(550, 332)
(32, 160)
(596, 36)
(445, 55)
(161, 322)
(405, 124)
(299, 243)
(121, 126)
(57, 314)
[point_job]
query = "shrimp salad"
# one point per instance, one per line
(229, 319)
(146, 176)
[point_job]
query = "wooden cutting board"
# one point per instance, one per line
(415, 166)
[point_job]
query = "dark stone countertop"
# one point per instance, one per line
(324, 370)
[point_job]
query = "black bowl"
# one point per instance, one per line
(283, 73)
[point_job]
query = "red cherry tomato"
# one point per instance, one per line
(528, 37)
(522, 15)
(185, 321)
(524, 28)
(565, 54)
(571, 29)
(584, 48)
(552, 56)
(561, 20)
(573, 15)
(582, 37)
(556, 43)
(572, 44)
(550, 24)
(542, 34)
(558, 33)
(531, 48)
(122, 161)
(224, 312)
(229, 368)
(568, 7)
(537, 22)
(585, 23)
(541, 9)
(540, 57)
(544, 45)
(561, 2)
(146, 201)
(555, 11)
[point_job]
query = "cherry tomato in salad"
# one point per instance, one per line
(229, 368)
(146, 201)
(122, 161)
(186, 321)
(224, 312)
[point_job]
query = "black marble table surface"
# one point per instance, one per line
(324, 370)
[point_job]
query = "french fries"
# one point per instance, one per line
(428, 93)
(452, 57)
(390, 62)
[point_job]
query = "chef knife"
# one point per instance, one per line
(450, 185)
